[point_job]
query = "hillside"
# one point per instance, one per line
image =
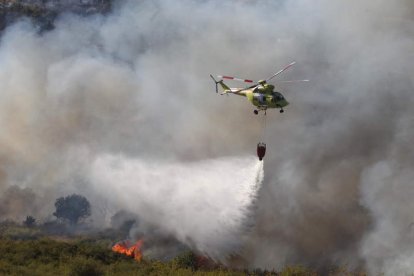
(43, 12)
(31, 251)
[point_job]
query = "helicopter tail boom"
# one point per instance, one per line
(237, 91)
(222, 84)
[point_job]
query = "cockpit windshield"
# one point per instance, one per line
(278, 96)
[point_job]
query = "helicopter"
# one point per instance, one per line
(260, 94)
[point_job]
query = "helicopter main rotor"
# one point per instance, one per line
(261, 82)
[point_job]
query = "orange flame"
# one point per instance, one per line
(134, 251)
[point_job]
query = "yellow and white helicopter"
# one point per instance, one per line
(260, 94)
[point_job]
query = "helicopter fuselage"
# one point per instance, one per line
(264, 97)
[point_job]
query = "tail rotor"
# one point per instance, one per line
(216, 82)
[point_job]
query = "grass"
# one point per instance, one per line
(29, 251)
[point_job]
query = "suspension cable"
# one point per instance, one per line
(264, 125)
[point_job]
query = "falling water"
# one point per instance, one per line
(204, 204)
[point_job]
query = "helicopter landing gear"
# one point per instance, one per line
(256, 111)
(281, 110)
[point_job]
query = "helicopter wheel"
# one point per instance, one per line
(281, 111)
(255, 112)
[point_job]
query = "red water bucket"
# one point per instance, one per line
(261, 150)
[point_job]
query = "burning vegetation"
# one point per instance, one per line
(125, 247)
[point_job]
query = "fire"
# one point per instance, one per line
(123, 247)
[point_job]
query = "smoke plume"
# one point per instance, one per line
(120, 104)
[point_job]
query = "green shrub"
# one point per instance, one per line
(29, 222)
(85, 267)
(187, 260)
(297, 271)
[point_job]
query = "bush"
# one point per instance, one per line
(187, 260)
(85, 267)
(297, 271)
(29, 222)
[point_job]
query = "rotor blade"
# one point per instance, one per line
(253, 86)
(250, 87)
(237, 79)
(293, 81)
(213, 78)
(216, 82)
(287, 67)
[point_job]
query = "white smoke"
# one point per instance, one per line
(392, 236)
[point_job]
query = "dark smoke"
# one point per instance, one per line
(338, 169)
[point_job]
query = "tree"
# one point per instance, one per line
(29, 222)
(72, 208)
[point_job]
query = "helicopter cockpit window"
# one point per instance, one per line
(278, 97)
(259, 97)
